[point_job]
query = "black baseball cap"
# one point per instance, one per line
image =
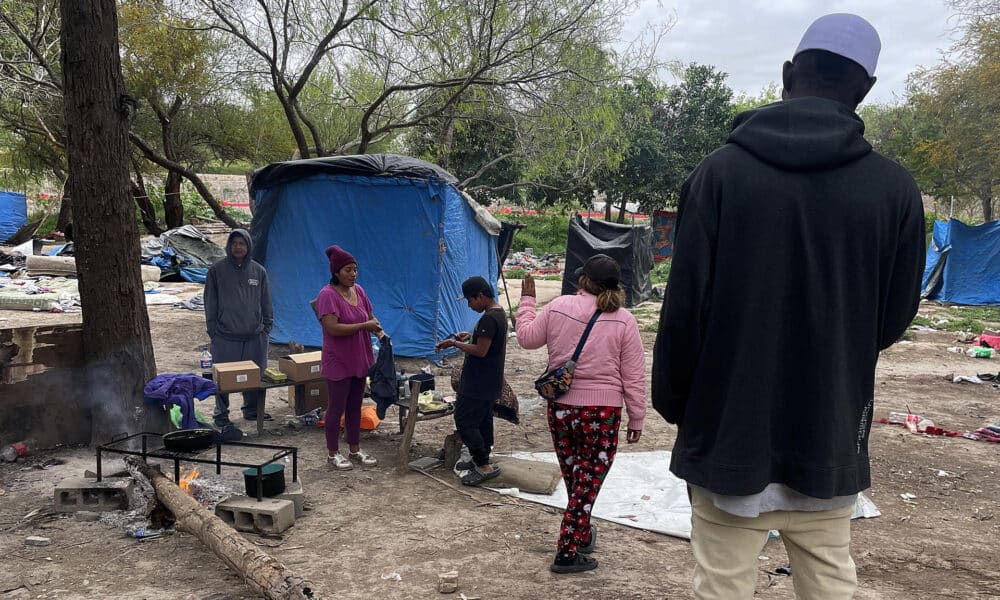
(602, 270)
(473, 286)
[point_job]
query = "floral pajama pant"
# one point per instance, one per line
(585, 440)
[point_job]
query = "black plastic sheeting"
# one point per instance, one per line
(506, 240)
(631, 246)
(365, 165)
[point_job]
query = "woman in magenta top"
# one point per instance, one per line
(610, 375)
(346, 314)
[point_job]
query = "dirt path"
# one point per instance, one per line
(371, 534)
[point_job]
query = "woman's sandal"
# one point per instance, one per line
(363, 459)
(592, 544)
(580, 563)
(477, 477)
(339, 462)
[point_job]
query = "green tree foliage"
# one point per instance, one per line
(960, 100)
(697, 118)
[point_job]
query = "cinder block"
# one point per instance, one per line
(86, 493)
(293, 491)
(270, 515)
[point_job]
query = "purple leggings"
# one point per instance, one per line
(345, 398)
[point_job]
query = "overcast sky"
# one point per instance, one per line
(750, 39)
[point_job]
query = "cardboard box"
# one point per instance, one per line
(316, 396)
(236, 376)
(301, 367)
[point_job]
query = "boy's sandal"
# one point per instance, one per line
(477, 477)
(363, 459)
(465, 465)
(340, 462)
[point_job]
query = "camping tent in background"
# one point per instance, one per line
(630, 245)
(963, 263)
(13, 213)
(415, 235)
(663, 234)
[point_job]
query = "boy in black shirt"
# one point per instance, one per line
(482, 377)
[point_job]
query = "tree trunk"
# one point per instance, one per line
(188, 174)
(116, 340)
(65, 213)
(146, 210)
(986, 199)
(607, 209)
(262, 572)
(621, 212)
(173, 209)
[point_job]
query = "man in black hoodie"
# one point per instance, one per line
(798, 258)
(238, 315)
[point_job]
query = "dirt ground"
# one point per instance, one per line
(371, 533)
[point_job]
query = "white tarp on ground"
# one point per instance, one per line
(640, 491)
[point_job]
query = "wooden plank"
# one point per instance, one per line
(411, 423)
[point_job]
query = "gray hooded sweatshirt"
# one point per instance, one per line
(238, 296)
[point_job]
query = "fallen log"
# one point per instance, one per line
(264, 574)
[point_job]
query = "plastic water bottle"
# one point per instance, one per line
(980, 352)
(206, 358)
(12, 452)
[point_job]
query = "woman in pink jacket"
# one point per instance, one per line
(610, 372)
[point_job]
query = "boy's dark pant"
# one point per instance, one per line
(474, 422)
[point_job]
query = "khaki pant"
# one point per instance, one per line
(726, 548)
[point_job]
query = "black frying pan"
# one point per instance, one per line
(188, 440)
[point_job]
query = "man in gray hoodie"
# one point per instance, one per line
(239, 316)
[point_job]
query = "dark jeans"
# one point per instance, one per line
(224, 350)
(474, 422)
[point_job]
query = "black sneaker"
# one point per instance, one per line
(592, 543)
(267, 417)
(577, 564)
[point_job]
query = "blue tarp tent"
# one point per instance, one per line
(13, 213)
(415, 235)
(963, 263)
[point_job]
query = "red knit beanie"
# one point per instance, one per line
(339, 258)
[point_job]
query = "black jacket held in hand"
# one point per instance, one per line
(798, 257)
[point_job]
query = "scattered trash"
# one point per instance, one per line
(773, 534)
(941, 473)
(980, 352)
(763, 558)
(141, 532)
(956, 349)
(784, 571)
(12, 452)
(448, 582)
(908, 497)
(965, 337)
(528, 262)
(37, 540)
(392, 576)
(966, 379)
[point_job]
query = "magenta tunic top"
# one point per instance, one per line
(348, 355)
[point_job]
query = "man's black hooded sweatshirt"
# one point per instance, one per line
(798, 257)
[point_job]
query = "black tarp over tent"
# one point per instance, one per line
(630, 245)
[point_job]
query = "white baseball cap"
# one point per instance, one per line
(846, 35)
